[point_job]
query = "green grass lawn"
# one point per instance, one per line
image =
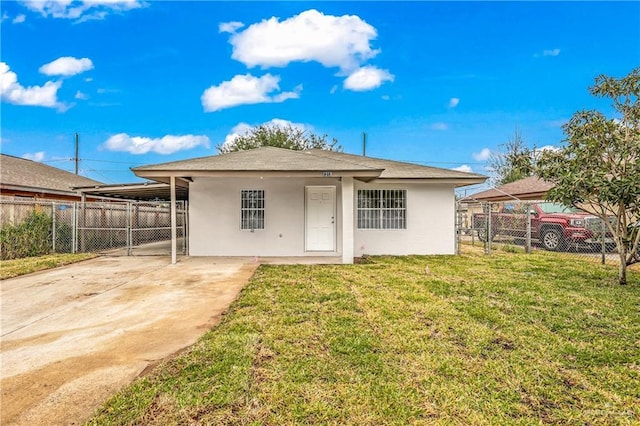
(16, 267)
(501, 339)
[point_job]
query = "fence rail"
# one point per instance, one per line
(533, 225)
(120, 228)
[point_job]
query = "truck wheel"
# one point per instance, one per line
(482, 235)
(552, 239)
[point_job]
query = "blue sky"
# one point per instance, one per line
(437, 83)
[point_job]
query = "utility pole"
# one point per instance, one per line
(364, 144)
(76, 157)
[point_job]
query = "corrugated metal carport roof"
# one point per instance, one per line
(145, 191)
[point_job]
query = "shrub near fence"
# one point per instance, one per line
(31, 237)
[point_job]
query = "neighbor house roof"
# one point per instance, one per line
(19, 175)
(529, 188)
(270, 159)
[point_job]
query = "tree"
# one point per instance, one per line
(515, 161)
(598, 170)
(287, 136)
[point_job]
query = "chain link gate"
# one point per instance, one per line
(140, 228)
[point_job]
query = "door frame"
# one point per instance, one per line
(306, 217)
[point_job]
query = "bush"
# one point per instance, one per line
(32, 237)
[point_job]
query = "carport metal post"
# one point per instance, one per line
(174, 221)
(185, 230)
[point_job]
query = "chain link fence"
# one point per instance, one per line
(116, 228)
(526, 226)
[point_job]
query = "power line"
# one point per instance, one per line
(107, 179)
(109, 161)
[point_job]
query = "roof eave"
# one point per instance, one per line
(458, 182)
(35, 189)
(158, 175)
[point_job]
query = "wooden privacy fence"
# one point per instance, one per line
(120, 228)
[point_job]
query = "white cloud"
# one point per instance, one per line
(439, 126)
(81, 96)
(245, 89)
(281, 97)
(4, 17)
(551, 52)
(463, 168)
(230, 27)
(453, 102)
(367, 78)
(80, 10)
(67, 66)
(14, 93)
(19, 19)
(35, 156)
(165, 145)
(333, 41)
(242, 128)
(483, 155)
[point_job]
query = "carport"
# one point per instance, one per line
(176, 190)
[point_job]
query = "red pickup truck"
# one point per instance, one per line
(556, 226)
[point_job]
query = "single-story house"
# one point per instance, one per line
(20, 177)
(278, 202)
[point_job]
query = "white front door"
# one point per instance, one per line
(320, 218)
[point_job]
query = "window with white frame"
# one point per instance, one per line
(252, 209)
(382, 209)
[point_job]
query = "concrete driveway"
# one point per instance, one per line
(72, 336)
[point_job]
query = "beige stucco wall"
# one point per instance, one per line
(214, 219)
(430, 223)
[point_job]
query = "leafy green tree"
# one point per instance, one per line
(598, 169)
(288, 136)
(515, 161)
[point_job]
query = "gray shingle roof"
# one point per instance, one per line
(529, 188)
(20, 172)
(400, 170)
(278, 159)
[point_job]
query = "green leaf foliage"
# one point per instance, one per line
(279, 136)
(598, 169)
(32, 237)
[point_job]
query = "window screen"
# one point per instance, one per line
(382, 209)
(252, 209)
